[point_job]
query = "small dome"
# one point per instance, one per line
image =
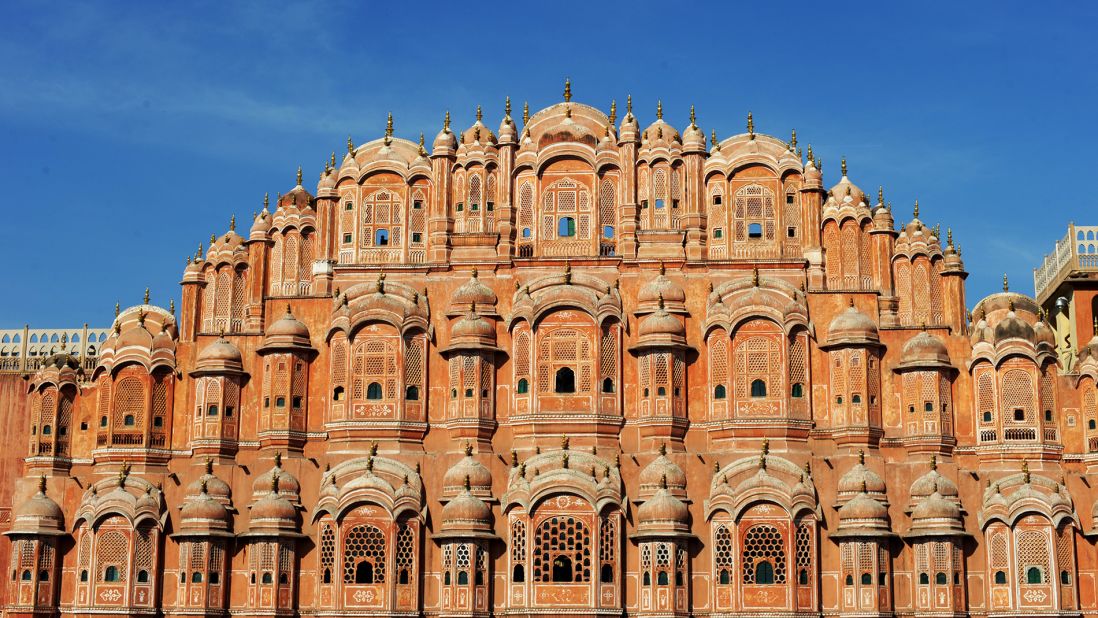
(1043, 334)
(221, 351)
(662, 469)
(287, 484)
(863, 508)
(39, 513)
(134, 335)
(661, 323)
(924, 350)
(693, 138)
(163, 340)
(930, 483)
(445, 140)
(466, 512)
(273, 509)
(1013, 327)
(288, 326)
(327, 181)
(203, 510)
(661, 287)
(660, 131)
(662, 508)
(480, 478)
(844, 188)
(473, 292)
(852, 327)
(935, 506)
(260, 226)
(860, 477)
(215, 487)
(472, 325)
(812, 175)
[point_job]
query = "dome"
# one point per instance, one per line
(852, 327)
(273, 509)
(479, 477)
(287, 484)
(860, 477)
(466, 512)
(693, 138)
(478, 132)
(288, 326)
(812, 175)
(135, 335)
(924, 350)
(472, 325)
(661, 323)
(935, 506)
(661, 287)
(287, 333)
(473, 292)
(1013, 327)
(39, 513)
(660, 470)
(445, 140)
(1044, 334)
(214, 487)
(930, 483)
(203, 510)
(61, 360)
(260, 225)
(221, 354)
(163, 340)
(662, 508)
(845, 188)
(660, 130)
(863, 508)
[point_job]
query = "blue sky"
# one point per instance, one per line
(132, 131)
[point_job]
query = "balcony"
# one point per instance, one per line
(1075, 253)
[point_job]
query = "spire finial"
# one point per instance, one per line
(659, 302)
(613, 112)
(663, 481)
(468, 448)
(861, 457)
(202, 486)
(564, 457)
(628, 105)
(467, 484)
(278, 459)
(663, 269)
(693, 119)
(117, 309)
(332, 161)
(42, 484)
(949, 237)
(274, 483)
(525, 113)
(713, 139)
(350, 145)
(266, 200)
(564, 441)
(865, 487)
(146, 296)
(1025, 472)
(232, 223)
(422, 149)
(663, 448)
(755, 277)
(659, 110)
(916, 209)
(793, 140)
(299, 175)
(811, 157)
(480, 114)
(389, 125)
(750, 125)
(171, 309)
(880, 194)
(446, 122)
(567, 89)
(507, 107)
(842, 165)
(1006, 283)
(933, 462)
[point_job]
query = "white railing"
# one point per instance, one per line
(24, 349)
(1076, 251)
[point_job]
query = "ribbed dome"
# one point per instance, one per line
(39, 513)
(221, 351)
(135, 335)
(924, 350)
(933, 482)
(661, 323)
(275, 509)
(661, 286)
(660, 131)
(203, 511)
(480, 478)
(662, 469)
(693, 138)
(215, 487)
(288, 326)
(860, 477)
(662, 508)
(473, 292)
(935, 506)
(466, 512)
(260, 225)
(472, 325)
(845, 188)
(1043, 334)
(852, 327)
(861, 508)
(287, 484)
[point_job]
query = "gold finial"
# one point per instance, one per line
(663, 481)
(808, 469)
(663, 448)
(659, 302)
(278, 459)
(507, 107)
(750, 125)
(1006, 283)
(716, 467)
(659, 110)
(693, 120)
(842, 165)
(613, 112)
(299, 175)
(468, 449)
(564, 441)
(332, 161)
(209, 465)
(755, 277)
(232, 223)
(793, 140)
(480, 114)
(713, 139)
(811, 158)
(861, 457)
(933, 462)
(350, 145)
(1025, 472)
(467, 484)
(373, 449)
(171, 308)
(514, 458)
(389, 125)
(629, 105)
(42, 484)
(370, 464)
(865, 488)
(146, 296)
(422, 149)
(916, 209)
(202, 486)
(117, 309)
(949, 237)
(880, 194)
(274, 483)
(123, 472)
(564, 457)
(266, 203)
(446, 122)
(567, 89)
(525, 113)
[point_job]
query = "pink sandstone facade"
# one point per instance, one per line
(573, 366)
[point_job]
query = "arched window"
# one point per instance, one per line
(27, 575)
(608, 385)
(518, 574)
(565, 380)
(758, 388)
(412, 393)
(867, 579)
(797, 390)
(802, 577)
(924, 578)
(562, 551)
(719, 392)
(725, 576)
(562, 569)
(606, 574)
(764, 573)
(523, 386)
(763, 556)
(143, 576)
(129, 420)
(337, 393)
(327, 576)
(373, 391)
(364, 573)
(110, 575)
(662, 578)
(196, 577)
(84, 575)
(647, 578)
(463, 578)
(940, 578)
(1034, 575)
(1065, 578)
(381, 237)
(1000, 577)
(754, 230)
(268, 578)
(849, 581)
